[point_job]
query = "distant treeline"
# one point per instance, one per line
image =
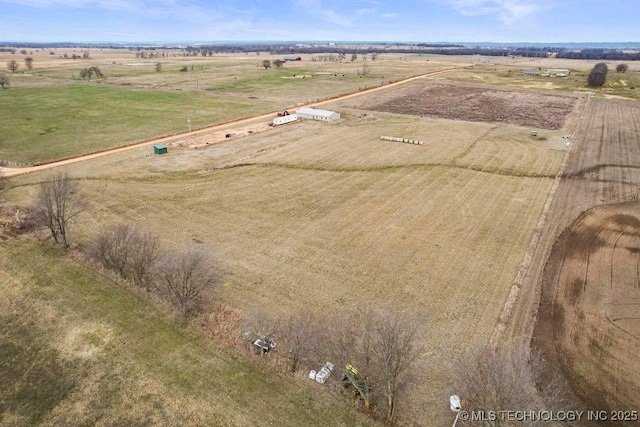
(618, 54)
(606, 54)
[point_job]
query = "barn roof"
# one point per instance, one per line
(315, 112)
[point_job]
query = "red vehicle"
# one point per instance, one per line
(283, 113)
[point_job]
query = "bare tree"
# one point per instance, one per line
(622, 68)
(266, 64)
(58, 203)
(366, 69)
(497, 380)
(128, 251)
(396, 346)
(300, 337)
(4, 81)
(374, 56)
(278, 63)
(13, 65)
(354, 56)
(158, 67)
(28, 62)
(184, 277)
(144, 254)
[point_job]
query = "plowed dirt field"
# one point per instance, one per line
(588, 316)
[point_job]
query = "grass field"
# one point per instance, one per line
(43, 124)
(314, 217)
(328, 217)
(50, 113)
(77, 348)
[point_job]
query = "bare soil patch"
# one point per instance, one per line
(591, 305)
(588, 267)
(475, 103)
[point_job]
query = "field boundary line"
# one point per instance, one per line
(524, 267)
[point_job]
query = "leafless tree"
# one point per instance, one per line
(128, 251)
(184, 277)
(374, 56)
(366, 69)
(266, 64)
(4, 81)
(13, 65)
(300, 337)
(144, 254)
(622, 68)
(395, 347)
(158, 67)
(28, 62)
(58, 203)
(497, 380)
(354, 56)
(278, 63)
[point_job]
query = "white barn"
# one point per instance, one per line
(317, 114)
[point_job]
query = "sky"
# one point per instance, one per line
(501, 21)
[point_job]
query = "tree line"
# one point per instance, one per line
(375, 352)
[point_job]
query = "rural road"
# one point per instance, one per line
(9, 172)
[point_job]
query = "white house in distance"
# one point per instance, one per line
(317, 114)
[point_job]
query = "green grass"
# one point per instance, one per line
(78, 349)
(50, 114)
(44, 124)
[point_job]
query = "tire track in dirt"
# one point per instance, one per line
(600, 361)
(613, 252)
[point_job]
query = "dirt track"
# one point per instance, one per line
(229, 126)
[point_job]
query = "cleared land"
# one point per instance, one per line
(327, 218)
(594, 315)
(601, 171)
(475, 103)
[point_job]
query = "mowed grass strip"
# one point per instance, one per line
(79, 349)
(44, 124)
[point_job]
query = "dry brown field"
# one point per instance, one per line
(327, 218)
(588, 245)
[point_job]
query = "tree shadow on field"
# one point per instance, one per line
(33, 376)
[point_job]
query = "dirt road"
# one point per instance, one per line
(9, 172)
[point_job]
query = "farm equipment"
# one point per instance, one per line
(283, 113)
(264, 345)
(360, 387)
